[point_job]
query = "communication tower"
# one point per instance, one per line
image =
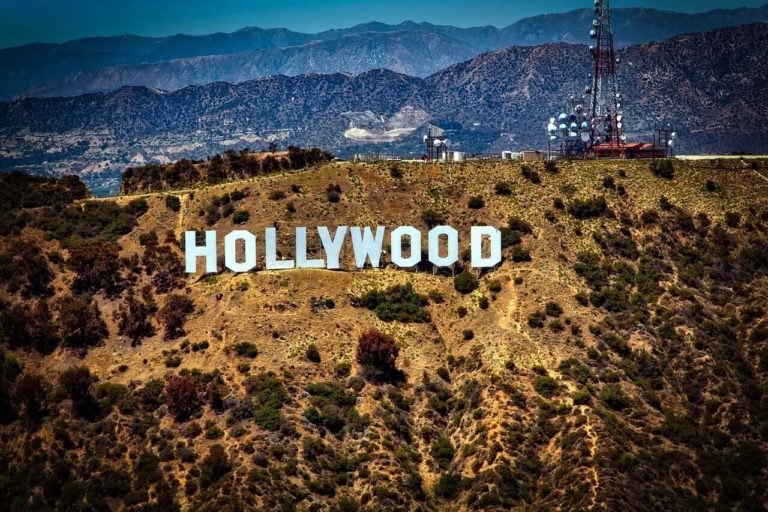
(436, 147)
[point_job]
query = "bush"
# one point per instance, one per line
(732, 219)
(395, 172)
(482, 302)
(581, 398)
(432, 218)
(270, 396)
(447, 486)
(312, 353)
(80, 322)
(587, 208)
(502, 188)
(174, 314)
(519, 224)
(173, 203)
(442, 451)
(184, 396)
(613, 397)
(246, 349)
(398, 302)
(276, 195)
(494, 286)
(609, 182)
(476, 202)
(241, 217)
(663, 168)
(76, 383)
(531, 175)
(468, 334)
(553, 309)
(214, 466)
(545, 385)
(536, 319)
(377, 351)
(465, 282)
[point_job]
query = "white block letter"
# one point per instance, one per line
(301, 251)
(230, 251)
(192, 251)
(332, 246)
(366, 246)
(434, 246)
(397, 246)
(270, 242)
(478, 233)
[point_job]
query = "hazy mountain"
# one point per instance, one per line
(712, 86)
(89, 64)
(412, 53)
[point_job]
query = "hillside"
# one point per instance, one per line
(711, 86)
(106, 63)
(616, 359)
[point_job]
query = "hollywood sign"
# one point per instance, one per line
(367, 246)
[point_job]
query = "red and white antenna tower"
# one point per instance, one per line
(606, 117)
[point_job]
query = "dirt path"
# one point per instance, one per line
(590, 431)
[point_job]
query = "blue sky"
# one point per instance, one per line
(25, 21)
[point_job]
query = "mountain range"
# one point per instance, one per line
(712, 86)
(417, 49)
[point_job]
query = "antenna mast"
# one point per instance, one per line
(606, 116)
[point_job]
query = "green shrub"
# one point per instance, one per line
(502, 188)
(173, 203)
(553, 309)
(443, 451)
(588, 208)
(246, 349)
(663, 168)
(613, 397)
(397, 303)
(432, 218)
(545, 385)
(476, 202)
(312, 353)
(465, 282)
(241, 217)
(536, 319)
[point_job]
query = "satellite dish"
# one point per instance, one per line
(673, 135)
(601, 101)
(425, 138)
(624, 138)
(574, 126)
(585, 125)
(572, 118)
(671, 143)
(618, 105)
(593, 34)
(595, 23)
(619, 117)
(584, 137)
(619, 126)
(618, 96)
(437, 143)
(562, 117)
(447, 142)
(551, 120)
(553, 137)
(587, 90)
(563, 126)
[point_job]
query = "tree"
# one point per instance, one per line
(377, 353)
(214, 466)
(97, 264)
(134, 319)
(30, 392)
(184, 396)
(174, 314)
(76, 383)
(80, 322)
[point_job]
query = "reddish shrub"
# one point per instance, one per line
(184, 397)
